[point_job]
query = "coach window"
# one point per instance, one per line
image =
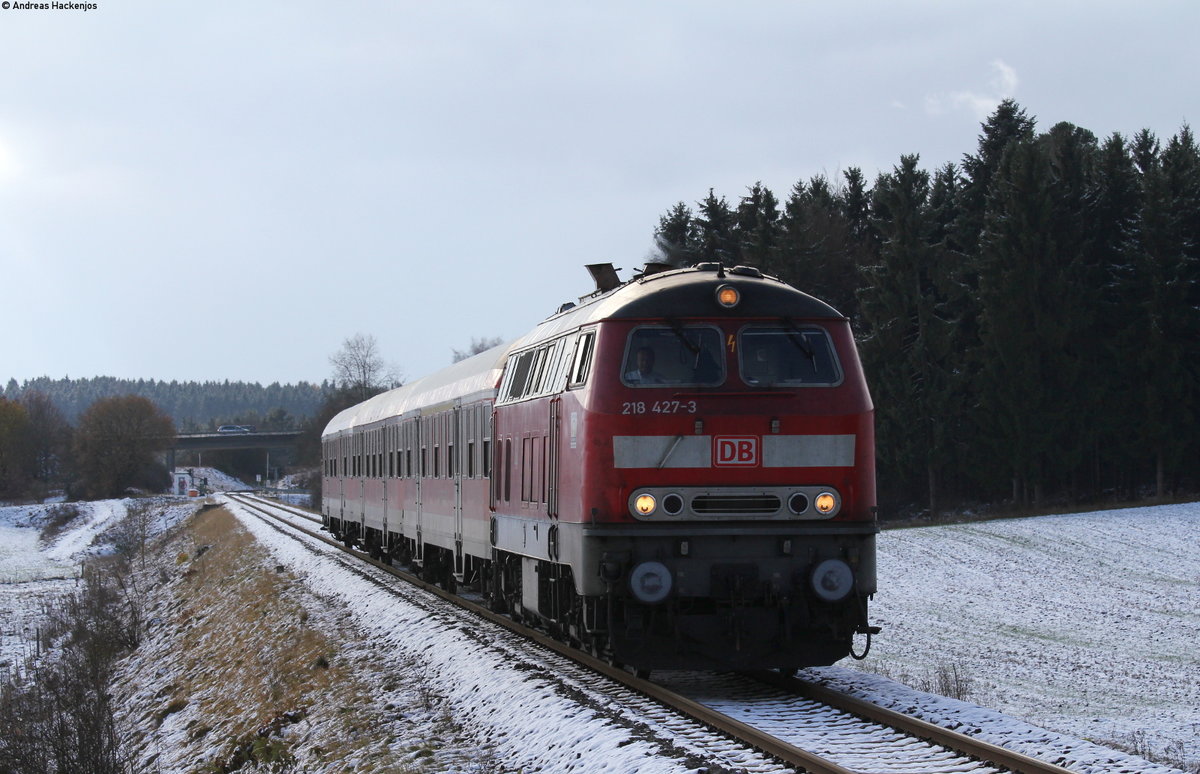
(791, 356)
(679, 355)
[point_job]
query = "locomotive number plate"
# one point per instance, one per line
(659, 407)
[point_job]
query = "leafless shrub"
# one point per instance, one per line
(951, 680)
(56, 714)
(1140, 744)
(58, 518)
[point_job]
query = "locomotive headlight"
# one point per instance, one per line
(650, 582)
(728, 296)
(832, 580)
(645, 504)
(826, 502)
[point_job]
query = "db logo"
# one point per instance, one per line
(736, 450)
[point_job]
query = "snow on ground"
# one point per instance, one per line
(1086, 624)
(216, 480)
(34, 572)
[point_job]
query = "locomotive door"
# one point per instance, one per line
(552, 461)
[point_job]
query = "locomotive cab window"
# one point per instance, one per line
(788, 357)
(689, 355)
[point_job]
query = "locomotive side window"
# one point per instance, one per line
(582, 363)
(788, 357)
(517, 383)
(689, 355)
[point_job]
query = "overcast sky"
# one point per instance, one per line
(228, 190)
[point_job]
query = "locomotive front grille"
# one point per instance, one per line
(734, 504)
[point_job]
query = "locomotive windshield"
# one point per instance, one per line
(787, 357)
(686, 355)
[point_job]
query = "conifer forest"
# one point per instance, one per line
(1028, 319)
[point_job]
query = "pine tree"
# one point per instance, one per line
(818, 253)
(1169, 253)
(906, 336)
(1112, 206)
(1023, 334)
(757, 229)
(715, 230)
(676, 233)
(1007, 124)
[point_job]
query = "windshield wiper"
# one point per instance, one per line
(677, 329)
(796, 336)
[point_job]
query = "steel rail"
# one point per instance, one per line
(954, 740)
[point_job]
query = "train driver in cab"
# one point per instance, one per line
(643, 370)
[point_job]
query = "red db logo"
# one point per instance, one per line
(736, 450)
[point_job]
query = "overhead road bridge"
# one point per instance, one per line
(203, 442)
(221, 441)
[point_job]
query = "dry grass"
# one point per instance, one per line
(236, 672)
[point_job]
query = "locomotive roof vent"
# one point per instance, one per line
(746, 271)
(604, 275)
(656, 267)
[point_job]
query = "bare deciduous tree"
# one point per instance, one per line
(482, 344)
(117, 446)
(359, 368)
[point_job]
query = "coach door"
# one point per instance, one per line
(419, 439)
(454, 461)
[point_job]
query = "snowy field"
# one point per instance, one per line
(1087, 624)
(33, 572)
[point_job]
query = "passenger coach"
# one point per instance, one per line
(676, 472)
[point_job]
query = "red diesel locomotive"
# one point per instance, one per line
(677, 472)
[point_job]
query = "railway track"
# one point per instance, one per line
(798, 723)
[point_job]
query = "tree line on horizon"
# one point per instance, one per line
(101, 436)
(194, 406)
(1028, 320)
